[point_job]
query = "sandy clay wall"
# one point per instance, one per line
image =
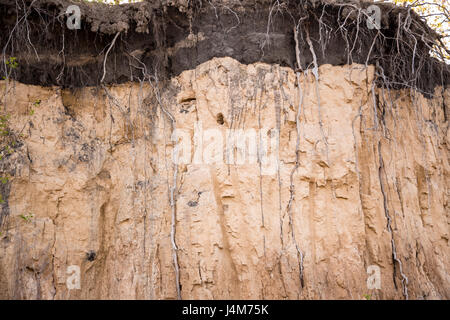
(340, 177)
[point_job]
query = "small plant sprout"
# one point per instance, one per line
(36, 103)
(27, 218)
(4, 180)
(368, 296)
(4, 119)
(12, 62)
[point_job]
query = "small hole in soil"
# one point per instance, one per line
(91, 255)
(192, 203)
(188, 100)
(220, 119)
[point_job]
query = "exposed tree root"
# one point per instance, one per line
(297, 163)
(172, 191)
(315, 72)
(395, 257)
(106, 56)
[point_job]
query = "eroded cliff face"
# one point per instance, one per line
(361, 179)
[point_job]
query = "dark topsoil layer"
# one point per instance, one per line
(155, 39)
